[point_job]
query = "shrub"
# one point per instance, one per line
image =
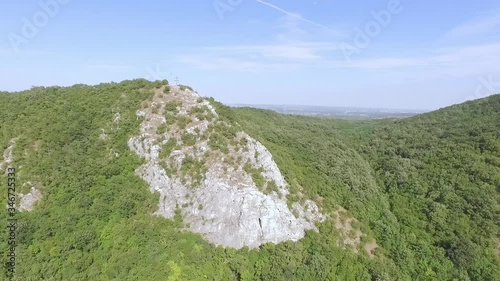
(156, 109)
(256, 175)
(162, 128)
(173, 106)
(183, 121)
(168, 148)
(197, 109)
(184, 87)
(189, 139)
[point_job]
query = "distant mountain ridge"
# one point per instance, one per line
(337, 111)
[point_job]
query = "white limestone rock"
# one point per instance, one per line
(27, 201)
(8, 156)
(226, 207)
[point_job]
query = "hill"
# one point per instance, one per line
(104, 194)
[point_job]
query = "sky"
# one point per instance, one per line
(404, 54)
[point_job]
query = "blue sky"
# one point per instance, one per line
(418, 54)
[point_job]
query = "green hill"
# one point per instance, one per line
(419, 196)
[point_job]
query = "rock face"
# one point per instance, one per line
(226, 184)
(8, 158)
(26, 201)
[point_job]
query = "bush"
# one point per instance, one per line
(188, 139)
(173, 106)
(184, 87)
(168, 148)
(183, 121)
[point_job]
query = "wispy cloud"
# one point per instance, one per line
(113, 67)
(289, 50)
(466, 60)
(297, 45)
(456, 62)
(486, 24)
(236, 64)
(274, 57)
(295, 15)
(295, 52)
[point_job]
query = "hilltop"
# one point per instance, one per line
(144, 180)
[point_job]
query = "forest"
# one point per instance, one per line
(425, 188)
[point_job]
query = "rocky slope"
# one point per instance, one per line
(26, 202)
(224, 183)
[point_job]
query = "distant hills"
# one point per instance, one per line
(355, 113)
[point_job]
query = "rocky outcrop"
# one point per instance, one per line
(225, 183)
(8, 157)
(27, 201)
(351, 236)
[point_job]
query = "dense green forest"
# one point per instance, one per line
(426, 189)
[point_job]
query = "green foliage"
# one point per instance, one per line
(195, 169)
(167, 89)
(202, 113)
(159, 83)
(173, 106)
(197, 109)
(189, 139)
(225, 112)
(272, 187)
(184, 87)
(183, 121)
(426, 188)
(220, 136)
(167, 149)
(256, 175)
(155, 109)
(162, 128)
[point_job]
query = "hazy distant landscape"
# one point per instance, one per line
(355, 113)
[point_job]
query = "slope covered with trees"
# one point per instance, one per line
(430, 188)
(426, 189)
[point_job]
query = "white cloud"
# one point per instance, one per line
(295, 15)
(288, 51)
(235, 64)
(292, 52)
(486, 24)
(296, 46)
(454, 62)
(111, 67)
